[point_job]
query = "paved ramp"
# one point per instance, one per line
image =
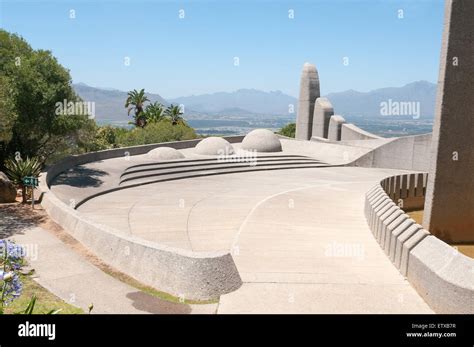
(298, 236)
(309, 250)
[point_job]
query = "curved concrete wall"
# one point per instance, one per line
(441, 275)
(405, 153)
(350, 132)
(192, 275)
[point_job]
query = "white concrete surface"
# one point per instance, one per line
(299, 238)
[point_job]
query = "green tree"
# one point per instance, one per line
(174, 114)
(36, 83)
(7, 113)
(288, 130)
(136, 102)
(154, 112)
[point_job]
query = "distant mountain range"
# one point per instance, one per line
(354, 103)
(252, 102)
(241, 101)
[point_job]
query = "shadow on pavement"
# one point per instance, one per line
(15, 218)
(81, 177)
(147, 303)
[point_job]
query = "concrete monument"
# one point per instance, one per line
(449, 206)
(309, 92)
(323, 111)
(335, 127)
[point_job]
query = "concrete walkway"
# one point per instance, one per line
(299, 238)
(318, 256)
(71, 277)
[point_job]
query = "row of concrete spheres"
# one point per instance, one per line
(315, 116)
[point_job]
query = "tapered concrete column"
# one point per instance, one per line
(449, 204)
(309, 92)
(323, 111)
(335, 127)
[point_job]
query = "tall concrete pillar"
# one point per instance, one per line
(449, 204)
(309, 92)
(323, 111)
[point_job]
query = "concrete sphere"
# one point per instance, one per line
(261, 140)
(214, 146)
(165, 153)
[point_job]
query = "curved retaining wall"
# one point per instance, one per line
(192, 275)
(350, 132)
(404, 153)
(441, 275)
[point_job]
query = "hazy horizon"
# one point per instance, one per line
(248, 88)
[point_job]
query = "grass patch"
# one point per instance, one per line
(152, 291)
(45, 300)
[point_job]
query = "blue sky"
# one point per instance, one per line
(195, 55)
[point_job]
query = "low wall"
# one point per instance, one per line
(192, 275)
(404, 153)
(440, 274)
(350, 132)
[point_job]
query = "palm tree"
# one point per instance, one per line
(154, 112)
(135, 102)
(174, 114)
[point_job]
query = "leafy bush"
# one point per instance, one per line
(288, 130)
(162, 131)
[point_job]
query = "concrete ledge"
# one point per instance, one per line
(400, 240)
(389, 212)
(192, 275)
(441, 275)
(408, 246)
(395, 218)
(390, 249)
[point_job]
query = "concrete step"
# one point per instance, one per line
(203, 163)
(217, 167)
(215, 158)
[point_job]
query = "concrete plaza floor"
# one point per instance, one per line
(298, 237)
